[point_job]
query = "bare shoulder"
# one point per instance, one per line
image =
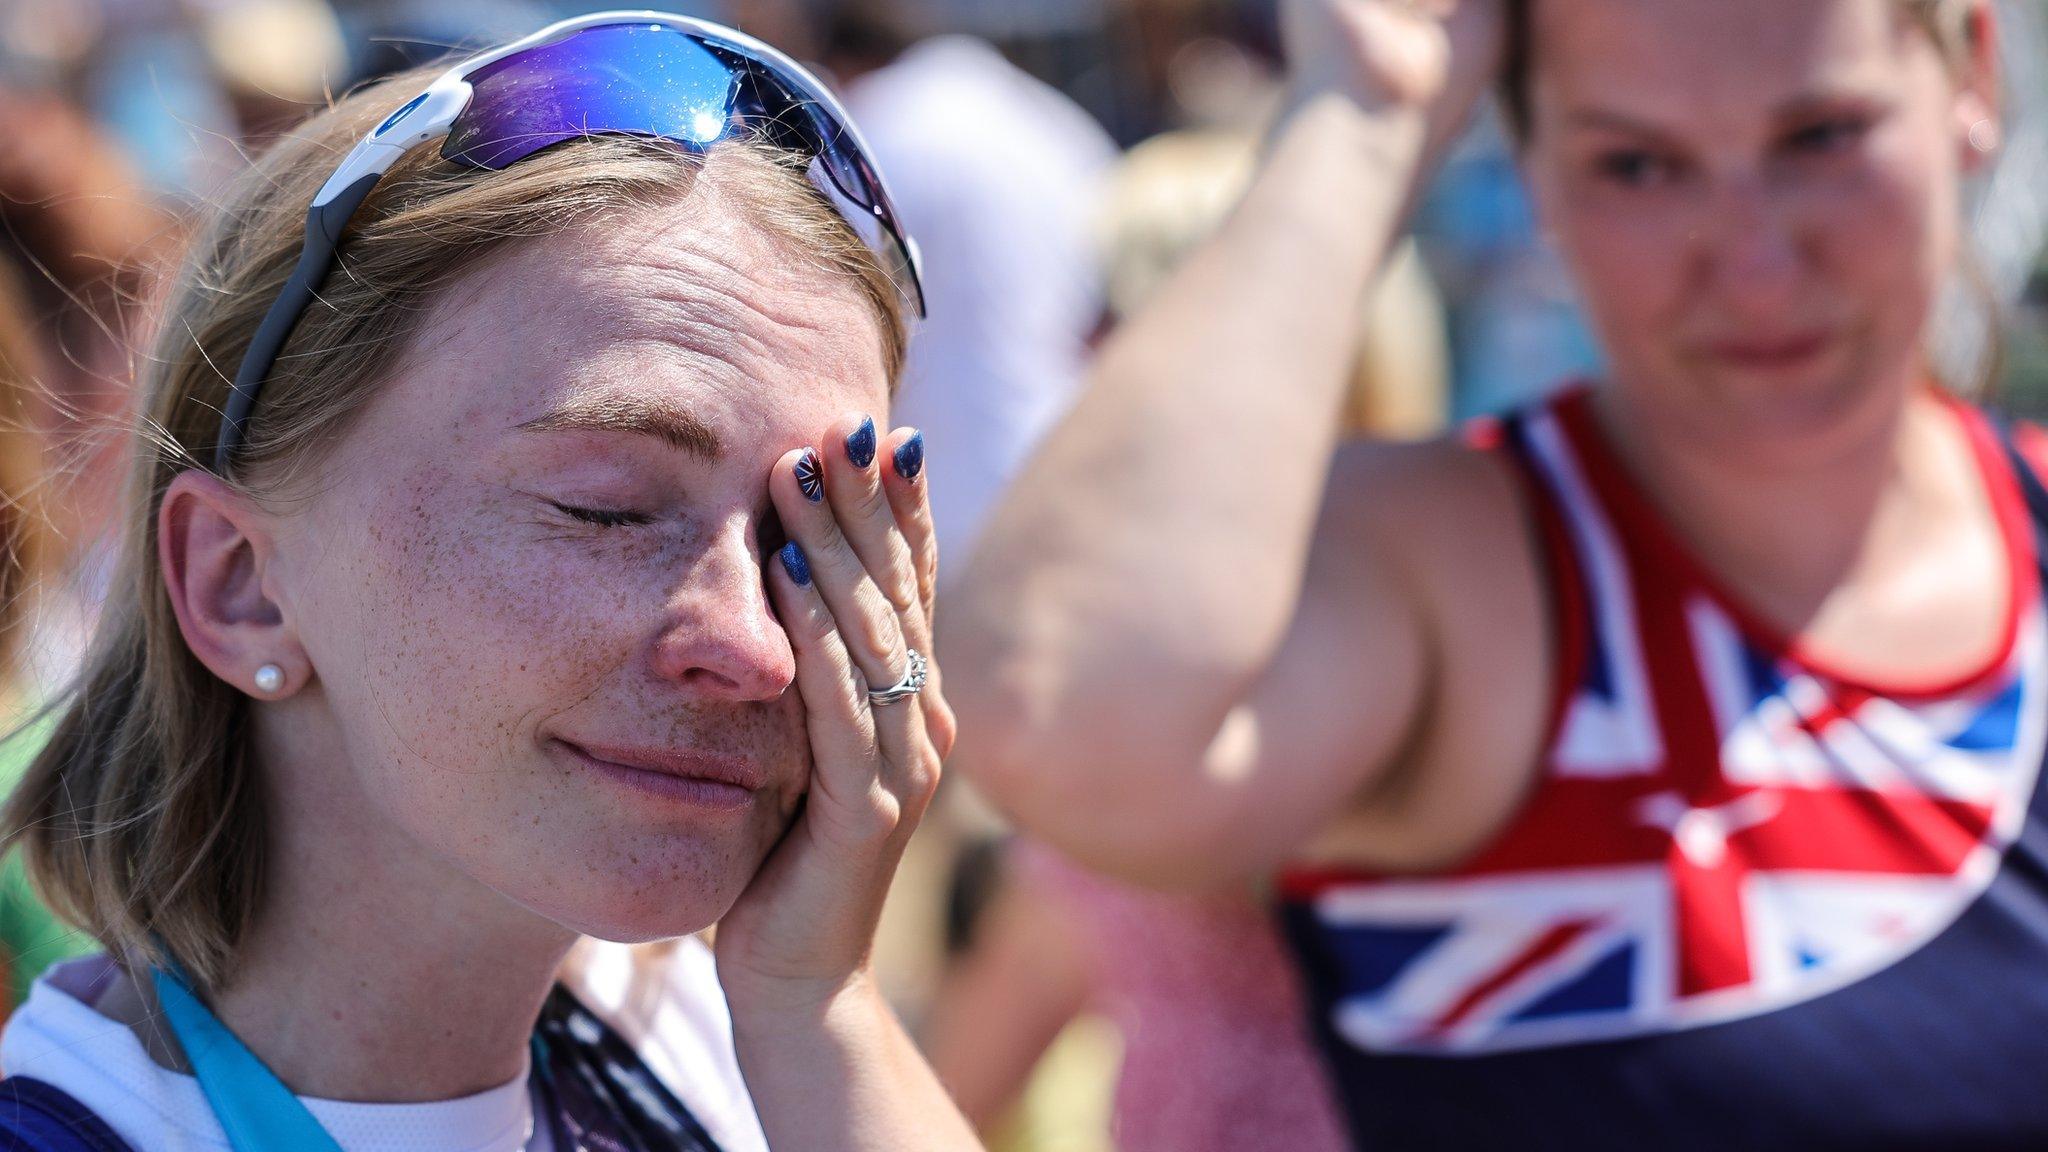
(1451, 517)
(1409, 486)
(1452, 523)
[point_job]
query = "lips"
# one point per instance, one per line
(697, 778)
(1769, 352)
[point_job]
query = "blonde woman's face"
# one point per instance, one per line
(1758, 199)
(531, 588)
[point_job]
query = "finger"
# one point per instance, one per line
(854, 489)
(855, 743)
(835, 704)
(836, 711)
(868, 624)
(910, 762)
(909, 497)
(825, 501)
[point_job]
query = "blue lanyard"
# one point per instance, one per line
(255, 1109)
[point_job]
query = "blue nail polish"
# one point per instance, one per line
(860, 447)
(793, 562)
(810, 476)
(910, 456)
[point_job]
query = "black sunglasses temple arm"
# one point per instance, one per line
(324, 225)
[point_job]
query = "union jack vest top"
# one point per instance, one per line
(1749, 902)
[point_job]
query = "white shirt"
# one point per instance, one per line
(59, 1038)
(999, 178)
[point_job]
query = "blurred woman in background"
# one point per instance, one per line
(1659, 767)
(1196, 986)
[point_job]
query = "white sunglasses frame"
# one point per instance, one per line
(431, 115)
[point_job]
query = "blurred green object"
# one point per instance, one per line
(31, 937)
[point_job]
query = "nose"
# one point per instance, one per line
(1758, 259)
(719, 638)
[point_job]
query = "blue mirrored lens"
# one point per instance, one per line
(657, 81)
(791, 116)
(635, 79)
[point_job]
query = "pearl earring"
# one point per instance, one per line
(1984, 136)
(269, 679)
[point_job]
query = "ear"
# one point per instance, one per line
(1979, 110)
(215, 548)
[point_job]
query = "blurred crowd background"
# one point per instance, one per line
(1055, 158)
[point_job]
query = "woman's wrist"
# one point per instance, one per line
(1337, 178)
(1387, 85)
(769, 1006)
(832, 1070)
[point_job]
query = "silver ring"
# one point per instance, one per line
(912, 683)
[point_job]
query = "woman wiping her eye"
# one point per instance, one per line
(544, 572)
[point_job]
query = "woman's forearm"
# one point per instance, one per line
(1147, 562)
(842, 1075)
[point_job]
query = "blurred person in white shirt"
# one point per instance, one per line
(1001, 177)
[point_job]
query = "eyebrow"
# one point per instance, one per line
(1796, 107)
(1600, 118)
(673, 426)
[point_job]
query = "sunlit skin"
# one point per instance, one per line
(1758, 202)
(1759, 205)
(481, 599)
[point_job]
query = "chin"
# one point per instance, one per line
(635, 917)
(665, 889)
(638, 931)
(1794, 407)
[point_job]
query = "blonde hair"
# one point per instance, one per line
(142, 820)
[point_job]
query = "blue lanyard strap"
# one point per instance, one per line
(255, 1109)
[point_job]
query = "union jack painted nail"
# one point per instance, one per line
(810, 475)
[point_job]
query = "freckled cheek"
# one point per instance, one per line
(773, 733)
(482, 605)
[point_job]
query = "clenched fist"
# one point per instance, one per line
(1434, 56)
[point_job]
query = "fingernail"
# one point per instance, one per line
(810, 475)
(910, 456)
(860, 447)
(793, 562)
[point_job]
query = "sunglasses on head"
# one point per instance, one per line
(647, 74)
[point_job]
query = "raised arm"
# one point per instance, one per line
(1149, 567)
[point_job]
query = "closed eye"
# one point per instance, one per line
(1831, 135)
(1636, 168)
(604, 517)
